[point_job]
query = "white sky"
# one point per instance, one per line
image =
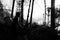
(38, 8)
(37, 11)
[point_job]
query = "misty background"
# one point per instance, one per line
(38, 11)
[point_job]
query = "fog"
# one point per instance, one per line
(38, 10)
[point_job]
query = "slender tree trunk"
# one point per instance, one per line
(20, 4)
(12, 8)
(31, 12)
(53, 14)
(45, 11)
(48, 18)
(22, 11)
(28, 13)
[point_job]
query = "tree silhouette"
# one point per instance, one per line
(12, 8)
(1, 7)
(28, 13)
(45, 11)
(53, 14)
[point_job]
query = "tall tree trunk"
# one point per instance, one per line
(53, 14)
(28, 13)
(12, 8)
(22, 11)
(45, 11)
(31, 12)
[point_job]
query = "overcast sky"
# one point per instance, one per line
(38, 10)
